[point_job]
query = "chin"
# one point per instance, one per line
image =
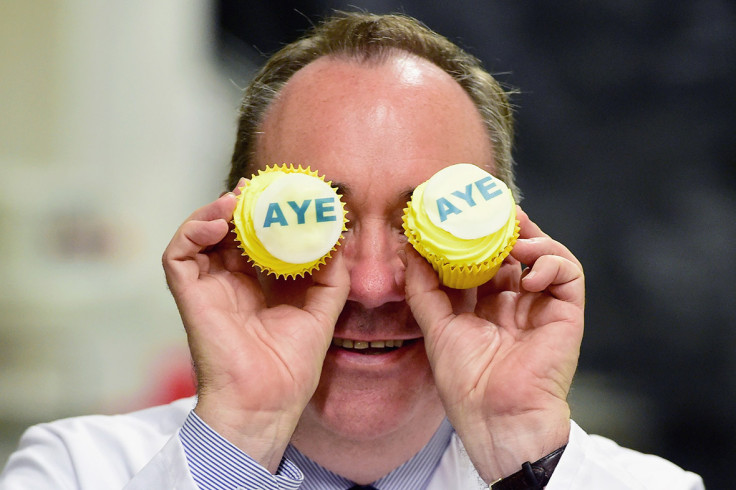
(367, 408)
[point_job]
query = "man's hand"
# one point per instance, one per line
(504, 370)
(257, 366)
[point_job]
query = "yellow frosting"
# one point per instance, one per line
(288, 220)
(438, 242)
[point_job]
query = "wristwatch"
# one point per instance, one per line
(531, 476)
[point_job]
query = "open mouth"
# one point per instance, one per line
(371, 348)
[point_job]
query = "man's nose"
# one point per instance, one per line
(376, 272)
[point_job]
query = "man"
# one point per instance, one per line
(477, 389)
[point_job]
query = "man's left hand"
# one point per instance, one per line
(503, 371)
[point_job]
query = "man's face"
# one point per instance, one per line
(376, 131)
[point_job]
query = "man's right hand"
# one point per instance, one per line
(257, 366)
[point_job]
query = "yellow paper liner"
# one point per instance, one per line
(464, 276)
(252, 247)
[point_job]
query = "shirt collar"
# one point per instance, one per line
(412, 475)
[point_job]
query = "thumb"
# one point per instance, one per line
(430, 305)
(326, 298)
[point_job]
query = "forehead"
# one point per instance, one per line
(401, 118)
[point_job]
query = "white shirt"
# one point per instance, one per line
(143, 451)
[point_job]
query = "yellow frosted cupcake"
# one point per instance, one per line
(288, 220)
(463, 221)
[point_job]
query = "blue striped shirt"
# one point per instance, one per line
(215, 463)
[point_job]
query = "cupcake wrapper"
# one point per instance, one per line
(465, 276)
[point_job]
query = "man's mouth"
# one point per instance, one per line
(371, 347)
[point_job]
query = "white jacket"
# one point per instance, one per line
(141, 451)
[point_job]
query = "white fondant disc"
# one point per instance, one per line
(298, 218)
(467, 201)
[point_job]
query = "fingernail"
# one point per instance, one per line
(528, 272)
(531, 239)
(239, 186)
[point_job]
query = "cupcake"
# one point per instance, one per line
(463, 221)
(288, 220)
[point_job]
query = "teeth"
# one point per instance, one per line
(362, 344)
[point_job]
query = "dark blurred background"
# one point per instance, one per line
(626, 154)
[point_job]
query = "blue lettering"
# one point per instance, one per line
(485, 185)
(300, 210)
(325, 205)
(274, 215)
(466, 196)
(445, 207)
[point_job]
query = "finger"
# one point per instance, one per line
(240, 185)
(529, 250)
(533, 242)
(561, 277)
(429, 305)
(462, 300)
(221, 208)
(179, 259)
(206, 227)
(326, 297)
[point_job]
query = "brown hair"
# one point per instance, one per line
(366, 37)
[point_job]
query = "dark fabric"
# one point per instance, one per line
(532, 476)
